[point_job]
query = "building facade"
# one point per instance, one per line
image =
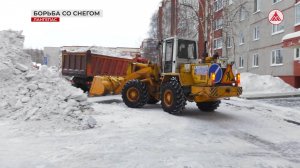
(52, 56)
(254, 44)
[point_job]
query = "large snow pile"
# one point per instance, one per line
(31, 94)
(261, 84)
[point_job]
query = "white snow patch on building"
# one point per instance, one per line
(291, 35)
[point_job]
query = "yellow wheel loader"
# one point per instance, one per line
(179, 78)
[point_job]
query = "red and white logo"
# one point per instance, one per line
(275, 17)
(45, 19)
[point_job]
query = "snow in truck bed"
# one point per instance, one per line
(107, 51)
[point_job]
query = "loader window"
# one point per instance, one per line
(169, 51)
(168, 56)
(187, 49)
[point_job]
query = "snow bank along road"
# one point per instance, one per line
(241, 133)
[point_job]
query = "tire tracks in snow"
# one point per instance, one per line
(263, 110)
(288, 150)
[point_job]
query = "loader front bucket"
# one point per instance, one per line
(103, 85)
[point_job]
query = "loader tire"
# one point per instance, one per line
(152, 100)
(208, 106)
(172, 97)
(135, 94)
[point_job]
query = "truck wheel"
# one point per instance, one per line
(135, 94)
(172, 97)
(208, 106)
(152, 100)
(80, 83)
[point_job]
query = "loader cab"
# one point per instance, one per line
(178, 51)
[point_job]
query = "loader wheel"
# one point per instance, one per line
(172, 97)
(208, 106)
(152, 100)
(134, 94)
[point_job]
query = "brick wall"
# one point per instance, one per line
(297, 68)
(291, 80)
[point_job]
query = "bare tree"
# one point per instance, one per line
(166, 19)
(203, 17)
(232, 17)
(153, 31)
(188, 19)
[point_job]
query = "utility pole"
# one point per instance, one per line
(173, 17)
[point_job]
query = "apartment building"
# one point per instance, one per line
(253, 43)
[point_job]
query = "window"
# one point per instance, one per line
(297, 53)
(241, 62)
(168, 56)
(277, 57)
(187, 49)
(275, 1)
(277, 28)
(218, 5)
(218, 43)
(242, 38)
(256, 33)
(228, 42)
(218, 24)
(255, 60)
(256, 6)
(169, 51)
(242, 13)
(297, 13)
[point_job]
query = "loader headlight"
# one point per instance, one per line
(238, 79)
(213, 77)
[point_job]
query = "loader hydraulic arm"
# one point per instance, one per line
(143, 72)
(102, 85)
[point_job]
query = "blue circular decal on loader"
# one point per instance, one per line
(215, 68)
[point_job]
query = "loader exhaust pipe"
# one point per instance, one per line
(204, 54)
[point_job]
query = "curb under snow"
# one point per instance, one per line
(270, 95)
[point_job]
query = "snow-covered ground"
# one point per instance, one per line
(40, 113)
(292, 102)
(241, 133)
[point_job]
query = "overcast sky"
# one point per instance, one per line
(125, 23)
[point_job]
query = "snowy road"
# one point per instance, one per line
(285, 102)
(241, 133)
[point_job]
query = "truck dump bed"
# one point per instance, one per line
(87, 64)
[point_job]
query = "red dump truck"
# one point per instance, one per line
(83, 66)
